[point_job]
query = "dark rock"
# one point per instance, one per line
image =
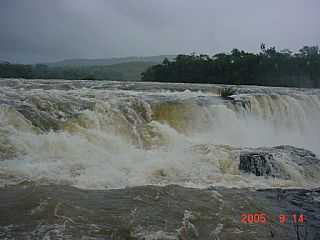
(256, 163)
(262, 164)
(279, 162)
(300, 156)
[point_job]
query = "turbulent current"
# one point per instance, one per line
(124, 160)
(103, 135)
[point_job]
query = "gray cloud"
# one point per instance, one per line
(45, 30)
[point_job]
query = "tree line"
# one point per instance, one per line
(42, 71)
(269, 67)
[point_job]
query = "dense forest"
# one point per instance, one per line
(269, 67)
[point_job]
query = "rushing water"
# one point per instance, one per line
(66, 145)
(102, 135)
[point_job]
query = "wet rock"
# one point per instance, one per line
(256, 163)
(302, 157)
(280, 162)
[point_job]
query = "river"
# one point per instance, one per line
(125, 146)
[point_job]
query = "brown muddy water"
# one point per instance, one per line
(125, 160)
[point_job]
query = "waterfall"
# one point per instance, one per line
(95, 137)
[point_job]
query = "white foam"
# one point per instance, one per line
(97, 156)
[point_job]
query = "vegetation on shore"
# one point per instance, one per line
(227, 92)
(130, 71)
(268, 67)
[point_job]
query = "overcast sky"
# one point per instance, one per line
(48, 30)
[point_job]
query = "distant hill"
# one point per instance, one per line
(130, 71)
(109, 61)
(126, 69)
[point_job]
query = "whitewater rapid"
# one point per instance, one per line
(102, 135)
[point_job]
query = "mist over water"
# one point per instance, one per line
(102, 135)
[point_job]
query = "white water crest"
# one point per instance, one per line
(101, 135)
